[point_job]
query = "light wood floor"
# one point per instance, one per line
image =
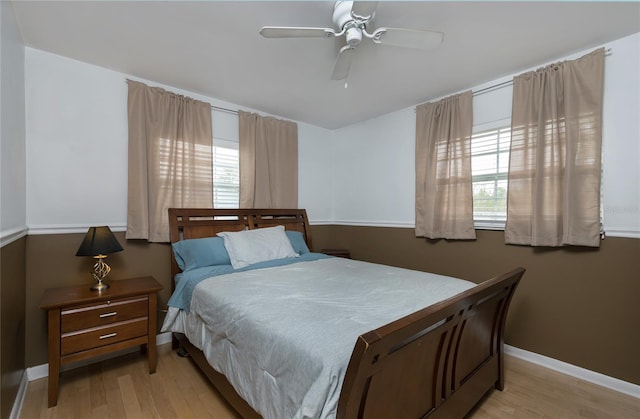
(122, 388)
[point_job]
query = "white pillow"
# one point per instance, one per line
(252, 246)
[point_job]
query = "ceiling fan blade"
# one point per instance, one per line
(364, 8)
(343, 63)
(408, 38)
(295, 32)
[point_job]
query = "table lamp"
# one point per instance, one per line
(98, 243)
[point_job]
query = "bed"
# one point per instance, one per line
(435, 355)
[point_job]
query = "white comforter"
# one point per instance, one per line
(283, 336)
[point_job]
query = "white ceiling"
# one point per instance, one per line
(213, 48)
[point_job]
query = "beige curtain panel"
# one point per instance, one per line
(555, 163)
(444, 195)
(268, 162)
(170, 159)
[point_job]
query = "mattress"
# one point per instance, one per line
(283, 335)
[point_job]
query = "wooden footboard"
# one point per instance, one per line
(437, 362)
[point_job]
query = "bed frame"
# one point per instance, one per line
(435, 363)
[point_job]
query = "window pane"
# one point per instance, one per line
(503, 162)
(484, 164)
(490, 165)
(226, 178)
(490, 200)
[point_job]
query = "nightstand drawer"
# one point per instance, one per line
(101, 336)
(112, 311)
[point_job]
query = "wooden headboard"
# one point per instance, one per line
(196, 223)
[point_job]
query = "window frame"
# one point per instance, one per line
(224, 144)
(496, 221)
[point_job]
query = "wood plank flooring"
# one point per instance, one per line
(122, 388)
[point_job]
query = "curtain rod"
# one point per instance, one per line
(607, 52)
(219, 108)
(495, 86)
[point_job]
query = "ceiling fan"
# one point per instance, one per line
(354, 19)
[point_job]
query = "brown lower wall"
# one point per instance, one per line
(12, 321)
(577, 305)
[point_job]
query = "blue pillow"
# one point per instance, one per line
(198, 253)
(297, 242)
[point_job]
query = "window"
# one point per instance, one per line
(489, 167)
(226, 174)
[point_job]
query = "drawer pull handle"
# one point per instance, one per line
(113, 313)
(107, 336)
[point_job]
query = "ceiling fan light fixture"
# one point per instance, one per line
(354, 36)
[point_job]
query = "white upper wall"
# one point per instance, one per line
(375, 171)
(12, 127)
(77, 146)
(362, 174)
(621, 139)
(375, 159)
(76, 143)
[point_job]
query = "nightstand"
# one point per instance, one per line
(85, 323)
(341, 253)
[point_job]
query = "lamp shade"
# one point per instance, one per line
(99, 241)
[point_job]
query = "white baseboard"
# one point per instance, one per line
(16, 410)
(574, 371)
(163, 338)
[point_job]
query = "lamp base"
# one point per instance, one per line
(100, 286)
(99, 272)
